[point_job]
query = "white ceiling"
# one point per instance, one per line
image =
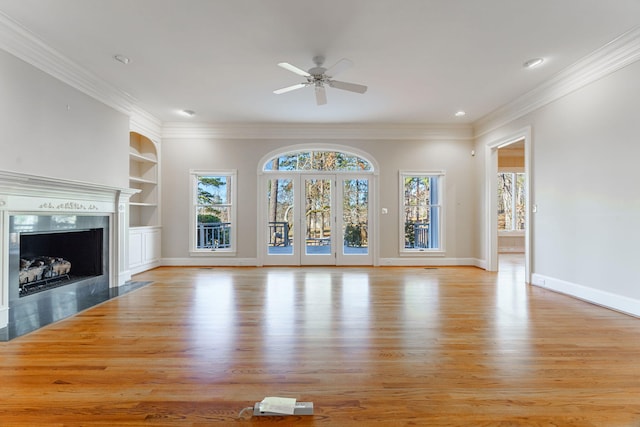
(423, 60)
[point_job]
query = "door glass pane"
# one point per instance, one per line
(280, 216)
(317, 218)
(355, 216)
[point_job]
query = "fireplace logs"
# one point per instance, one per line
(38, 273)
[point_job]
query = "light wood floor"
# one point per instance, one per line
(368, 346)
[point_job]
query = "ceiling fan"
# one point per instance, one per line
(319, 76)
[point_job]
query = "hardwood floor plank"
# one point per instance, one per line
(369, 346)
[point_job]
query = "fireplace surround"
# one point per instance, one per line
(42, 218)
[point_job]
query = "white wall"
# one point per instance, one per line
(50, 129)
(454, 157)
(585, 150)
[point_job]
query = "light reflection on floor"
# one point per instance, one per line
(512, 320)
(300, 307)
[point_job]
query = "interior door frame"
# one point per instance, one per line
(491, 199)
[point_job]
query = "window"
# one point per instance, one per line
(318, 161)
(511, 201)
(213, 214)
(421, 208)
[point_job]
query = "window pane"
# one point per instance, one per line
(280, 215)
(421, 212)
(318, 161)
(324, 161)
(318, 216)
(511, 201)
(214, 190)
(520, 201)
(304, 161)
(505, 201)
(213, 227)
(213, 212)
(355, 216)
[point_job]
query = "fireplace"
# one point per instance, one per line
(74, 234)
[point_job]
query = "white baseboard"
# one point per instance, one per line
(435, 261)
(480, 263)
(4, 317)
(400, 262)
(144, 267)
(123, 277)
(595, 296)
(209, 262)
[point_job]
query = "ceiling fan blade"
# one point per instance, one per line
(321, 95)
(338, 67)
(293, 69)
(351, 87)
(290, 88)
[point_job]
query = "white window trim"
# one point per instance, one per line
(193, 180)
(441, 251)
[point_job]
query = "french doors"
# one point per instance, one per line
(317, 219)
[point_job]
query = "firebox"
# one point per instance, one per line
(48, 252)
(53, 259)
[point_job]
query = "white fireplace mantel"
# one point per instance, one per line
(37, 195)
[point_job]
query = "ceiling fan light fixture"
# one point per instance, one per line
(319, 76)
(460, 113)
(533, 63)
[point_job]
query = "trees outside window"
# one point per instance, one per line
(421, 208)
(511, 201)
(213, 211)
(322, 160)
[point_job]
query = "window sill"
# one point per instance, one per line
(212, 253)
(422, 253)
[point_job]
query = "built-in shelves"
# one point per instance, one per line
(143, 176)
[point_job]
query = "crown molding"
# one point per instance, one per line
(25, 45)
(181, 130)
(613, 56)
(145, 124)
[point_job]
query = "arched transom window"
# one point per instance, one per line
(321, 160)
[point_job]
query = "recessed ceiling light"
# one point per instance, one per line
(533, 63)
(460, 113)
(188, 113)
(121, 58)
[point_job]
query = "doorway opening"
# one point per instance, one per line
(508, 186)
(511, 204)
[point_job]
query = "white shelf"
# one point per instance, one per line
(141, 180)
(140, 158)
